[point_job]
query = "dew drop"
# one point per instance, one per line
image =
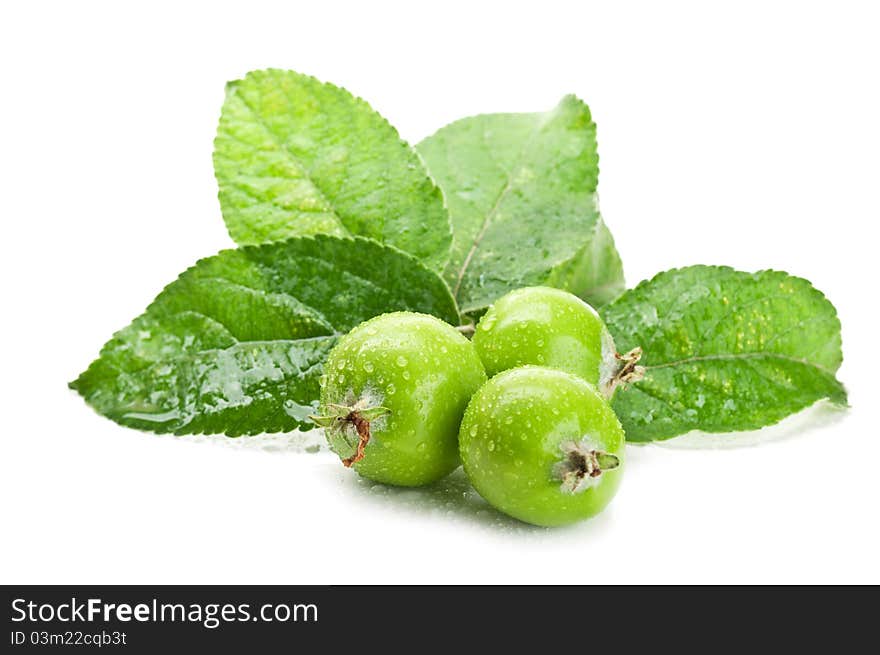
(401, 360)
(368, 367)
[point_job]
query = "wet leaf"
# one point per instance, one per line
(724, 350)
(235, 345)
(521, 195)
(296, 157)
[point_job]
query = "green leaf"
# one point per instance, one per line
(235, 345)
(297, 157)
(724, 350)
(521, 195)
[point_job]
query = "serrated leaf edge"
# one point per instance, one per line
(436, 191)
(76, 384)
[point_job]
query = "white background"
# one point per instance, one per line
(745, 136)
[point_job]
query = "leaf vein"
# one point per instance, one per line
(258, 119)
(737, 356)
(495, 205)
